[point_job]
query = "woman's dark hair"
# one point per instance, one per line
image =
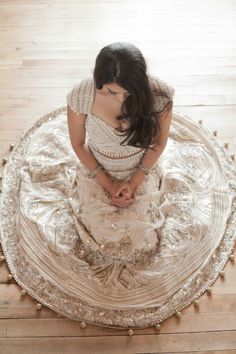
(123, 63)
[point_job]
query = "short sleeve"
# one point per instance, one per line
(78, 98)
(163, 94)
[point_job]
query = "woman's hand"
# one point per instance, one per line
(111, 186)
(123, 195)
(121, 192)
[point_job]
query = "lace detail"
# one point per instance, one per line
(78, 97)
(163, 94)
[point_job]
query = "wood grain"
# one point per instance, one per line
(48, 46)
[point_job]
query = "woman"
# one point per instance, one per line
(119, 157)
(124, 98)
(115, 210)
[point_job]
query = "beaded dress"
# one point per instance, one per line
(86, 259)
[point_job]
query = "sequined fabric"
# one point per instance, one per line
(72, 250)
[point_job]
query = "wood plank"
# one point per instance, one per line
(91, 47)
(214, 19)
(210, 352)
(80, 26)
(166, 343)
(223, 4)
(111, 36)
(56, 327)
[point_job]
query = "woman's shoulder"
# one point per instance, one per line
(83, 87)
(159, 85)
(79, 96)
(163, 93)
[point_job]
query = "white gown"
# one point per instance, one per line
(78, 254)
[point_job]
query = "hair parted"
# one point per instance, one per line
(123, 63)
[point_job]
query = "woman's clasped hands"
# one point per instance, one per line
(122, 193)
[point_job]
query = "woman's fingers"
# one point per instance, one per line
(123, 191)
(119, 202)
(122, 196)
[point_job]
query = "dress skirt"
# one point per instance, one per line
(76, 253)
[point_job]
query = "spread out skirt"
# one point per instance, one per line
(62, 238)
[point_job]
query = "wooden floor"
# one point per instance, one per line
(49, 45)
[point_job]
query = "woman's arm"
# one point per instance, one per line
(77, 132)
(151, 156)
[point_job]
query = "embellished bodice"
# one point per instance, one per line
(105, 143)
(102, 138)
